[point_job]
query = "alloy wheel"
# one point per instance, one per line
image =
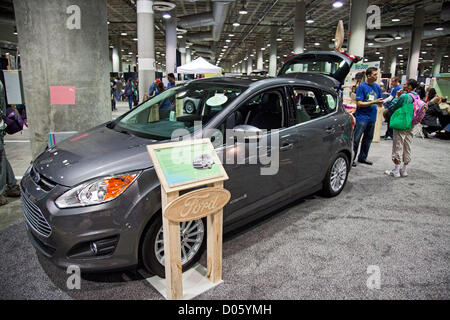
(191, 238)
(338, 174)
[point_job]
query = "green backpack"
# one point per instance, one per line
(401, 119)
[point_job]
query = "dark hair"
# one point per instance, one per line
(431, 93)
(359, 75)
(396, 79)
(370, 70)
(171, 75)
(160, 86)
(412, 83)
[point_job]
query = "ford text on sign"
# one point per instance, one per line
(197, 204)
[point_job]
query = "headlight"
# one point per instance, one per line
(96, 191)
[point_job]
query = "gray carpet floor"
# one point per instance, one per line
(316, 248)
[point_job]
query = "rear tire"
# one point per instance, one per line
(153, 248)
(336, 176)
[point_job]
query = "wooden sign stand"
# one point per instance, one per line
(172, 217)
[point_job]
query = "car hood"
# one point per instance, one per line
(98, 152)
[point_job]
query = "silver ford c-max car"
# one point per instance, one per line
(93, 200)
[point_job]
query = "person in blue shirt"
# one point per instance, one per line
(368, 97)
(395, 85)
(171, 78)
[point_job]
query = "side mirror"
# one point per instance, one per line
(246, 132)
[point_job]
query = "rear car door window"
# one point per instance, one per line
(308, 105)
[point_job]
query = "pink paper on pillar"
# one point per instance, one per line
(62, 95)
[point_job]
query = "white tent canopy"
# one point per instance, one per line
(198, 65)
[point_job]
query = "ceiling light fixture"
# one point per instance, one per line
(310, 20)
(236, 24)
(439, 29)
(395, 20)
(166, 15)
(243, 10)
(337, 4)
(124, 34)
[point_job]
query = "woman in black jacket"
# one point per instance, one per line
(430, 122)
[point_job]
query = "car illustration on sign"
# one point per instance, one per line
(203, 161)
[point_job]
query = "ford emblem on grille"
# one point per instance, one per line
(36, 177)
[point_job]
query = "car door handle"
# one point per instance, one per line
(330, 130)
(287, 146)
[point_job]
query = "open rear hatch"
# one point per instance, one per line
(325, 67)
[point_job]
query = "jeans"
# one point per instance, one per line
(366, 129)
(7, 179)
(387, 116)
(130, 101)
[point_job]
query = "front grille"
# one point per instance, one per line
(41, 181)
(35, 218)
(48, 250)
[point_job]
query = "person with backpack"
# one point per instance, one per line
(407, 110)
(129, 93)
(8, 183)
(395, 85)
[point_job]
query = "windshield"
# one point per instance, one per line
(178, 108)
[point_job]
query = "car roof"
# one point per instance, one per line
(255, 82)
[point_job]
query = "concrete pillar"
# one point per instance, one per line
(243, 67)
(437, 61)
(299, 27)
(146, 46)
(188, 55)
(182, 49)
(171, 45)
(119, 50)
(416, 40)
(357, 27)
(63, 49)
(259, 53)
(133, 63)
(387, 59)
(249, 64)
(115, 60)
(393, 67)
(273, 51)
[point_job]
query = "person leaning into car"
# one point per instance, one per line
(368, 97)
(8, 183)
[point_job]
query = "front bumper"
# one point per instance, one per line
(95, 238)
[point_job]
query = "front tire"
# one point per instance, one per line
(193, 242)
(336, 176)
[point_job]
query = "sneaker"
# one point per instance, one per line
(392, 173)
(388, 138)
(3, 200)
(13, 191)
(403, 173)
